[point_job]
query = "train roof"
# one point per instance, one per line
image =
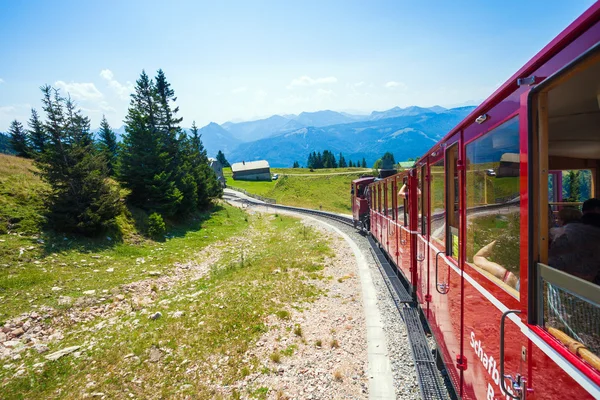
(559, 43)
(367, 179)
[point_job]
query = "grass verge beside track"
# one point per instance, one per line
(326, 191)
(203, 339)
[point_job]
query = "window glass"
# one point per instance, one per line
(493, 205)
(419, 200)
(438, 202)
(424, 194)
(452, 199)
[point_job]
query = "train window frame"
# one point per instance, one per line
(510, 124)
(552, 290)
(452, 198)
(424, 195)
(440, 241)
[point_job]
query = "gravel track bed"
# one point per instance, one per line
(400, 354)
(398, 346)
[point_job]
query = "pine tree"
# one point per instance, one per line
(350, 165)
(37, 134)
(364, 163)
(388, 161)
(296, 165)
(342, 162)
(19, 139)
(145, 161)
(108, 145)
(81, 199)
(208, 187)
(222, 160)
(175, 143)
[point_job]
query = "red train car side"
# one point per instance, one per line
(469, 227)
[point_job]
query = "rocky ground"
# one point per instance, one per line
(315, 350)
(326, 339)
(399, 352)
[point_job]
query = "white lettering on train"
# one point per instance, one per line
(490, 365)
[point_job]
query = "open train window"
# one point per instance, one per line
(564, 114)
(452, 200)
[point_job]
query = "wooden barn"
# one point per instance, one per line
(251, 171)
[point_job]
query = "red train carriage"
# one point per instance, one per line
(360, 202)
(468, 227)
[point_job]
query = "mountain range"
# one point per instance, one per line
(283, 139)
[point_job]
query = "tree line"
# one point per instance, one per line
(318, 160)
(165, 170)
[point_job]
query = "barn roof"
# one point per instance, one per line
(249, 165)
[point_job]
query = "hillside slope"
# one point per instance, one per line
(329, 192)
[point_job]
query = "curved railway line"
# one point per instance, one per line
(432, 383)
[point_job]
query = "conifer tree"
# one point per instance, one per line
(350, 165)
(19, 139)
(145, 162)
(81, 199)
(108, 145)
(296, 165)
(37, 134)
(222, 160)
(364, 163)
(342, 162)
(207, 183)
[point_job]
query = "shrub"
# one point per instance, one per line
(156, 226)
(276, 357)
(298, 330)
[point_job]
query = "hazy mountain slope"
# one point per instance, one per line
(324, 118)
(255, 130)
(405, 136)
(215, 138)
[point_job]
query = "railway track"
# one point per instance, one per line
(431, 384)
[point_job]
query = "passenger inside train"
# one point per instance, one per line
(577, 249)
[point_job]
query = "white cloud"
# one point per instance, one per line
(122, 90)
(80, 91)
(394, 85)
(308, 81)
(240, 89)
(359, 84)
(325, 93)
(1, 80)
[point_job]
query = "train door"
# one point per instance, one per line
(445, 277)
(491, 251)
(392, 220)
(403, 236)
(421, 237)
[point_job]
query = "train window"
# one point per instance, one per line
(452, 199)
(568, 145)
(391, 200)
(420, 178)
(438, 204)
(402, 200)
(424, 194)
(493, 205)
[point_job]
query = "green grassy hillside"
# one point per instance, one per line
(327, 189)
(34, 258)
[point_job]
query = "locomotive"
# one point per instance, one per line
(467, 228)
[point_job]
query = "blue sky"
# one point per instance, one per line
(229, 60)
